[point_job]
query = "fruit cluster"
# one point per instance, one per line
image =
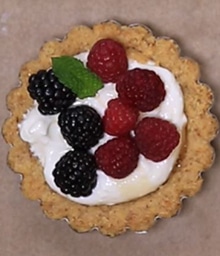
(81, 127)
(139, 90)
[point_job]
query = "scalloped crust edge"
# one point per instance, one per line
(185, 180)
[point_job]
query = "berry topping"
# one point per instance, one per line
(156, 138)
(75, 173)
(81, 126)
(119, 118)
(141, 88)
(51, 95)
(117, 157)
(107, 59)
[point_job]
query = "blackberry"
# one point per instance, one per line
(81, 126)
(51, 95)
(75, 173)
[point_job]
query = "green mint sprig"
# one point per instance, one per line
(72, 73)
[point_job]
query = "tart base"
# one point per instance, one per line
(185, 179)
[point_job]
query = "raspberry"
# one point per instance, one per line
(117, 157)
(81, 126)
(119, 118)
(156, 138)
(107, 59)
(51, 95)
(75, 173)
(141, 88)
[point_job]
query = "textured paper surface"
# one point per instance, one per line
(24, 26)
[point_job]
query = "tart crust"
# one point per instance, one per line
(185, 179)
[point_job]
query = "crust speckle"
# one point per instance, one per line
(185, 180)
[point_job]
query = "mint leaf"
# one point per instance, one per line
(72, 73)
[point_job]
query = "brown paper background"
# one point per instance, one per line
(24, 26)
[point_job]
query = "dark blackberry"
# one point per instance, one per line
(81, 126)
(51, 95)
(75, 173)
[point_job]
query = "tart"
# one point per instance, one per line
(195, 157)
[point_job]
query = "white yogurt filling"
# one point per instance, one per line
(46, 142)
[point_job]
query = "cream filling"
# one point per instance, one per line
(47, 143)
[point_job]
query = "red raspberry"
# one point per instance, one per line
(119, 118)
(141, 88)
(117, 157)
(156, 138)
(107, 59)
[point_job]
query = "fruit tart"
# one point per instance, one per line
(110, 128)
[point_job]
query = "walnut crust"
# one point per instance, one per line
(184, 181)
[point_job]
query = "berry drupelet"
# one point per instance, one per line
(75, 173)
(51, 95)
(81, 126)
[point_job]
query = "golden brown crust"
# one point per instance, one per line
(185, 180)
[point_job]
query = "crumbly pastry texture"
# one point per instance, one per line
(196, 157)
